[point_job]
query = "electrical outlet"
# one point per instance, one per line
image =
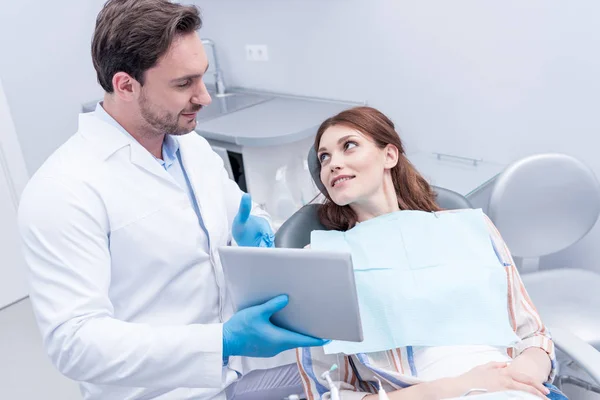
(257, 52)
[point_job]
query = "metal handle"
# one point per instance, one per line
(475, 161)
(219, 81)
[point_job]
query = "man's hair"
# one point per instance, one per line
(132, 35)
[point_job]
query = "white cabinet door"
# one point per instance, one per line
(12, 265)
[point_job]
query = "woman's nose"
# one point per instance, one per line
(334, 162)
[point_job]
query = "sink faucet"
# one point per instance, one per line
(219, 83)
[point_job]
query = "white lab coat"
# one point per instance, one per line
(127, 299)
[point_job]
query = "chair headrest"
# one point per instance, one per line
(314, 166)
(544, 203)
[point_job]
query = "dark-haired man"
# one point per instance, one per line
(122, 223)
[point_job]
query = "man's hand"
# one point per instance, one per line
(251, 333)
(250, 230)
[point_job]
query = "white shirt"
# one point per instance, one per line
(129, 298)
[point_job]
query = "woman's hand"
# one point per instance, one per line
(533, 362)
(493, 377)
(496, 377)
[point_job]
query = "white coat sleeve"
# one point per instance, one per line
(66, 239)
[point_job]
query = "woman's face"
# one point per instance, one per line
(353, 168)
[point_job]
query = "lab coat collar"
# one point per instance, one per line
(108, 140)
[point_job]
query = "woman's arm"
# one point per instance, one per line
(534, 355)
(534, 362)
(493, 377)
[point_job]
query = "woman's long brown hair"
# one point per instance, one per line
(412, 191)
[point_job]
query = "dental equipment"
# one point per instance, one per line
(333, 390)
(382, 394)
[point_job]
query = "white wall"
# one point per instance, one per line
(465, 76)
(489, 79)
(13, 176)
(47, 70)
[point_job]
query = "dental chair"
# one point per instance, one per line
(295, 233)
(541, 205)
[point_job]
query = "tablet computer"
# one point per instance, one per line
(320, 285)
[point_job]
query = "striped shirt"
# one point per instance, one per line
(406, 366)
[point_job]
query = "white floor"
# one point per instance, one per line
(27, 373)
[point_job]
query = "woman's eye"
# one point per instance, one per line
(323, 157)
(349, 145)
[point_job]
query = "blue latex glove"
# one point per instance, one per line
(250, 230)
(250, 332)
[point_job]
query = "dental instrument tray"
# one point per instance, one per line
(323, 302)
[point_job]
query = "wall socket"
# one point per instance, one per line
(257, 52)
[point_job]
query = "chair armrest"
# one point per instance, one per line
(585, 355)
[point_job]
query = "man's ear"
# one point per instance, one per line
(125, 87)
(391, 156)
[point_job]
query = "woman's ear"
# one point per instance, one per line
(391, 156)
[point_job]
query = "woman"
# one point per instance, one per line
(364, 174)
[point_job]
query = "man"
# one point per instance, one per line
(122, 223)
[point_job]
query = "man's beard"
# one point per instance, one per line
(161, 122)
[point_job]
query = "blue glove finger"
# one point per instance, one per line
(296, 340)
(255, 232)
(245, 208)
(272, 306)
